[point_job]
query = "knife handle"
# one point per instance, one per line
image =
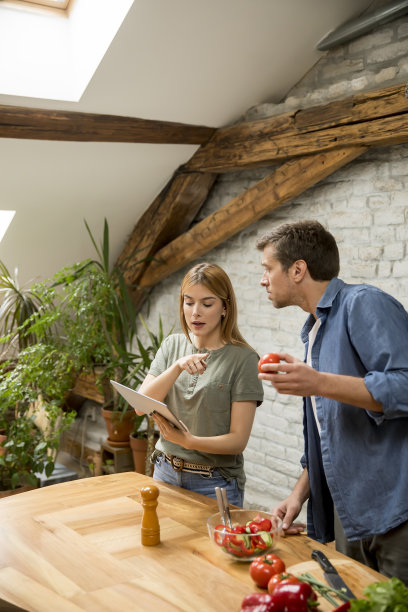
(323, 561)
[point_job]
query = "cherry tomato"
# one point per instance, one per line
(263, 568)
(282, 578)
(268, 358)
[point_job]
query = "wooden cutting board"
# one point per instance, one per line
(355, 575)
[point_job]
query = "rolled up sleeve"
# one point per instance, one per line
(378, 326)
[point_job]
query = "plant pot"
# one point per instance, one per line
(119, 426)
(139, 449)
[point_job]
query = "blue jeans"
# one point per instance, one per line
(198, 482)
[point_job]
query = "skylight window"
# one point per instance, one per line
(6, 217)
(53, 54)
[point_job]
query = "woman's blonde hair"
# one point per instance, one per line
(217, 281)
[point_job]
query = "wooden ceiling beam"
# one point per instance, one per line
(41, 124)
(169, 215)
(282, 185)
(372, 118)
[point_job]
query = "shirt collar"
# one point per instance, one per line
(325, 303)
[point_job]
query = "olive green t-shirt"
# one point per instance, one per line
(203, 402)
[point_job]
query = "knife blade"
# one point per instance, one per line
(331, 574)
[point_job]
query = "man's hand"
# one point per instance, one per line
(294, 377)
(288, 510)
(291, 376)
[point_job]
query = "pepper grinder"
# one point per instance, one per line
(150, 530)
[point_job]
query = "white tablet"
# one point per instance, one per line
(146, 404)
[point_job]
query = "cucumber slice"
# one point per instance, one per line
(267, 537)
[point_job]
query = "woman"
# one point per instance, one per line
(208, 378)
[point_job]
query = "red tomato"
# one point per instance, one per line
(268, 358)
(263, 568)
(282, 578)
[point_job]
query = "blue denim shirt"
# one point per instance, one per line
(360, 461)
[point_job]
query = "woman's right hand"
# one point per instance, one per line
(193, 364)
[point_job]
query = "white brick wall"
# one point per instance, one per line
(365, 206)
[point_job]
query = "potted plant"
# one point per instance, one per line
(35, 386)
(84, 323)
(144, 436)
(28, 452)
(87, 321)
(18, 304)
(29, 372)
(103, 336)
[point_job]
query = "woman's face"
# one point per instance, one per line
(203, 312)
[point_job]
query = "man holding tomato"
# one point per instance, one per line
(354, 383)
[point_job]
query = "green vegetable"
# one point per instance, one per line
(266, 537)
(389, 596)
(323, 589)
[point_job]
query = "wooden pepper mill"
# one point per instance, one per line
(150, 530)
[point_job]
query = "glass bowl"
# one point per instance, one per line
(254, 533)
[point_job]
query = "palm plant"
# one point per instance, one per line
(18, 304)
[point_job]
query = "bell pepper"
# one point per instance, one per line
(258, 602)
(219, 534)
(239, 529)
(294, 597)
(258, 524)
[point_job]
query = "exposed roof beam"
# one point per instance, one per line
(169, 215)
(40, 124)
(374, 119)
(285, 183)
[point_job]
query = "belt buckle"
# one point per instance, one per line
(175, 467)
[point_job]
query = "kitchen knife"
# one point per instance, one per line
(331, 574)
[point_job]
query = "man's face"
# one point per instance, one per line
(275, 280)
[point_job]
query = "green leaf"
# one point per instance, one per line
(49, 468)
(388, 596)
(93, 240)
(105, 246)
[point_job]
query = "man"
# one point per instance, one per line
(354, 383)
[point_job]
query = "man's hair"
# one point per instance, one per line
(307, 240)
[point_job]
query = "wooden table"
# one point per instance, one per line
(76, 546)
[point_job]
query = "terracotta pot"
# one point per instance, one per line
(119, 426)
(139, 449)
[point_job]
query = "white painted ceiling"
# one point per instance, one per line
(192, 61)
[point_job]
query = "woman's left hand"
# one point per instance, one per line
(170, 432)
